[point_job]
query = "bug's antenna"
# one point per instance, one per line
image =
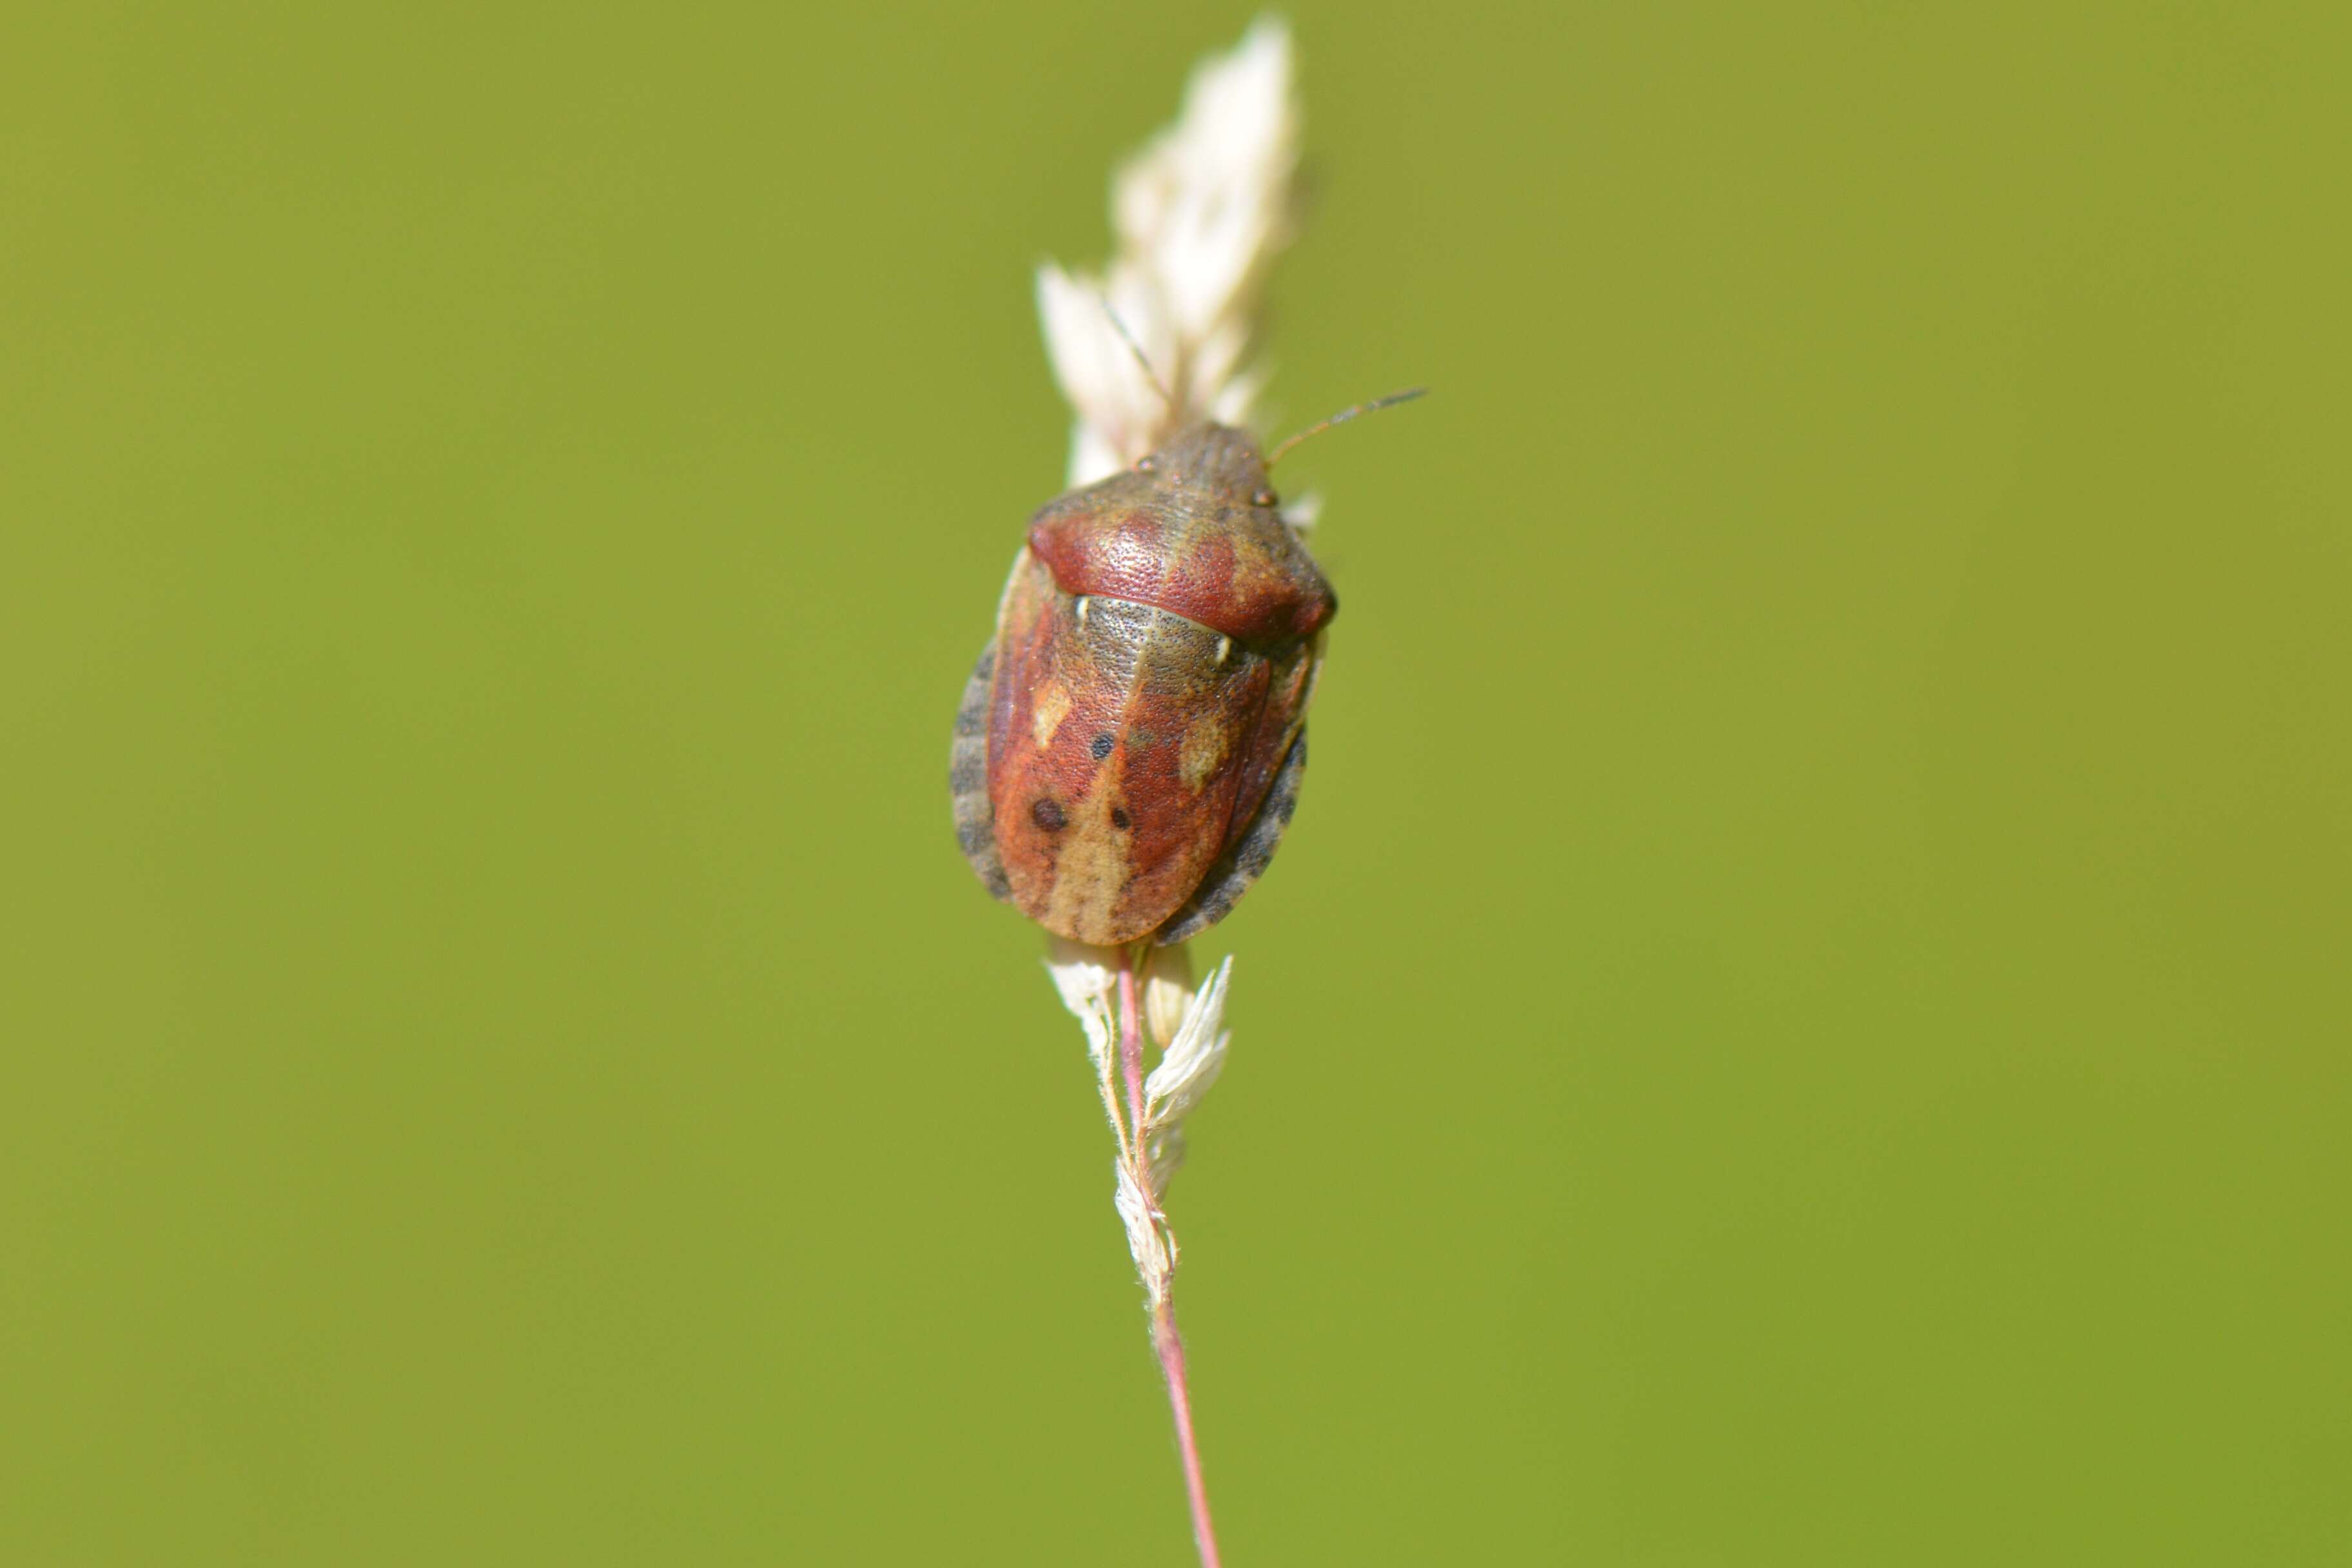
(1391, 401)
(1136, 349)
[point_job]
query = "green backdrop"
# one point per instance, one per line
(1802, 1019)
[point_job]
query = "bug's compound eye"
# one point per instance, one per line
(1146, 463)
(1264, 498)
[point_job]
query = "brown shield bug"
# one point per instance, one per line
(1129, 746)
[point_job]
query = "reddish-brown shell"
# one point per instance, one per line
(1156, 650)
(1195, 532)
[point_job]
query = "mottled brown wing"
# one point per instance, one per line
(1242, 865)
(1113, 728)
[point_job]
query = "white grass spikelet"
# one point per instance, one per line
(1121, 413)
(1086, 982)
(1168, 992)
(1194, 1058)
(1148, 1240)
(1199, 212)
(1209, 202)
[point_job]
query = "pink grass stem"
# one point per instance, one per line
(1179, 1400)
(1131, 1050)
(1165, 1342)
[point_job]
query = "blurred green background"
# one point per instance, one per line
(1803, 1020)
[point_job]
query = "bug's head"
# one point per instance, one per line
(1209, 459)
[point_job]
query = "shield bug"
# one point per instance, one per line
(1129, 746)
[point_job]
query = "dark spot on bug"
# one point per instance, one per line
(1048, 815)
(1101, 744)
(1118, 817)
